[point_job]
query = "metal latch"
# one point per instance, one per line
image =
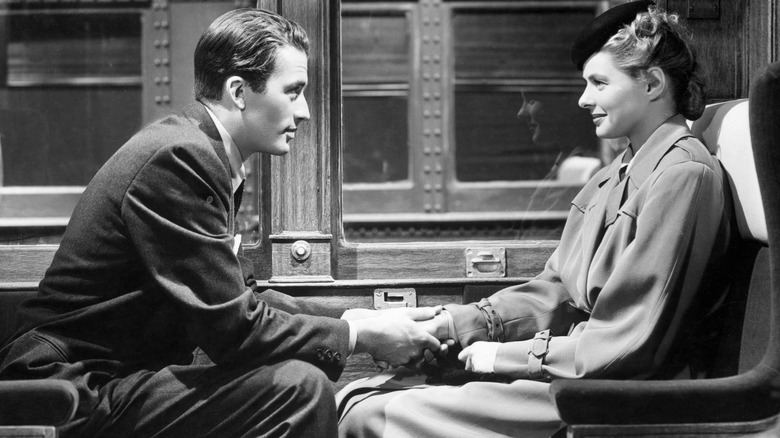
(389, 298)
(485, 262)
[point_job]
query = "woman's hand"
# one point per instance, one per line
(480, 356)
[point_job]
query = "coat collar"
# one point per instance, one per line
(645, 161)
(196, 111)
(651, 153)
(655, 148)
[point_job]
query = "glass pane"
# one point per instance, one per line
(375, 48)
(523, 135)
(53, 136)
(75, 84)
(67, 72)
(516, 43)
(376, 80)
(74, 49)
(375, 144)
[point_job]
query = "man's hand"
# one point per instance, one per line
(480, 356)
(394, 337)
(415, 313)
(438, 326)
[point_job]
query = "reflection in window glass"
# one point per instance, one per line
(523, 135)
(513, 119)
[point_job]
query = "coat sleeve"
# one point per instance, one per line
(540, 304)
(176, 213)
(640, 308)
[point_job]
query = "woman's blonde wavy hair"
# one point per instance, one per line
(658, 39)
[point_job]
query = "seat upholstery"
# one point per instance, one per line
(31, 408)
(745, 402)
(578, 170)
(724, 129)
(39, 402)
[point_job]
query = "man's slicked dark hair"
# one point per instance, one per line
(243, 42)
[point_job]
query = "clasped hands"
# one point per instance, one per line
(412, 336)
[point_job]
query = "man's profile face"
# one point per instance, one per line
(531, 113)
(271, 118)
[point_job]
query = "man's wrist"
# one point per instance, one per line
(352, 337)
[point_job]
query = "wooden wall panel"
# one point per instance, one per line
(301, 182)
(733, 46)
(719, 46)
(761, 35)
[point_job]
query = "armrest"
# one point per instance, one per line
(746, 397)
(46, 402)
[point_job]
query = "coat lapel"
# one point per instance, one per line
(645, 162)
(593, 222)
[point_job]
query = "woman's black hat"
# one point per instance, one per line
(600, 30)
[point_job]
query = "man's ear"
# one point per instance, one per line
(656, 82)
(235, 90)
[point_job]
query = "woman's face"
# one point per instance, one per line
(617, 103)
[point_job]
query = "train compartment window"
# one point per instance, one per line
(77, 79)
(496, 143)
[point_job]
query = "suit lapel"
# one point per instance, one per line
(196, 112)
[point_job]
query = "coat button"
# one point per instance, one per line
(210, 199)
(320, 354)
(329, 355)
(337, 356)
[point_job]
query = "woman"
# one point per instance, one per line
(616, 297)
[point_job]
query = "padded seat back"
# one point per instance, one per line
(725, 129)
(742, 320)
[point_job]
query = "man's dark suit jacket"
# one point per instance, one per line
(146, 273)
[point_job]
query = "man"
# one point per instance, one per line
(148, 271)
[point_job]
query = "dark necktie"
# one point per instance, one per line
(238, 195)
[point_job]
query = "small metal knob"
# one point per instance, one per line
(300, 251)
